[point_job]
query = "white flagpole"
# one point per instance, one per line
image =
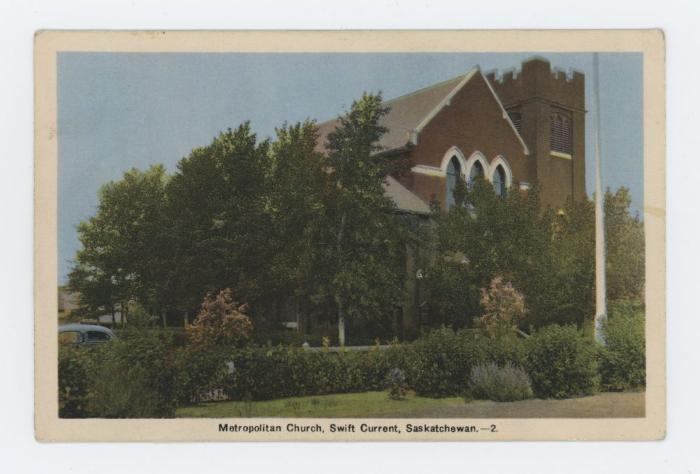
(600, 300)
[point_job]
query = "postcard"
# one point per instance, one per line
(350, 235)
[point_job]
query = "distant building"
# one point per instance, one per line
(67, 303)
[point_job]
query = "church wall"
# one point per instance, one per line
(473, 121)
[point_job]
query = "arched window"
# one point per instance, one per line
(476, 171)
(453, 174)
(499, 181)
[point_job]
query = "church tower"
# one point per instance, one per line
(548, 110)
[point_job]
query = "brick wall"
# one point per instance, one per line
(473, 121)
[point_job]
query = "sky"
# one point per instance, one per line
(117, 111)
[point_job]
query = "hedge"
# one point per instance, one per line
(134, 377)
(146, 375)
(561, 362)
(623, 359)
(264, 374)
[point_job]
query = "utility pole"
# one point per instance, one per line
(600, 300)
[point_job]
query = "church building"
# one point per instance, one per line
(517, 130)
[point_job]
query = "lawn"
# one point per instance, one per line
(378, 405)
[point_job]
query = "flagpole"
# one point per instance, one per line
(600, 300)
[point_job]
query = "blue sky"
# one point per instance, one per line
(122, 110)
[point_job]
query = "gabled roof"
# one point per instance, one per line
(404, 199)
(410, 113)
(407, 116)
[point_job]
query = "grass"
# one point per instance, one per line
(378, 405)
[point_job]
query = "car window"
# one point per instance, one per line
(69, 337)
(97, 336)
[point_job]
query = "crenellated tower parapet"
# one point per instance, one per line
(547, 107)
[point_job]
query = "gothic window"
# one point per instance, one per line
(453, 175)
(560, 133)
(477, 170)
(499, 181)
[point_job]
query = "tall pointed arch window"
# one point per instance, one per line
(476, 171)
(454, 171)
(499, 181)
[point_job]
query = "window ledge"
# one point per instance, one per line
(559, 154)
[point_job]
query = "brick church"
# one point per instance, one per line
(518, 130)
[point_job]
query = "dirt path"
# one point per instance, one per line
(603, 405)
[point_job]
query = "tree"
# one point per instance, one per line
(508, 236)
(122, 252)
(217, 220)
(454, 295)
(624, 241)
(548, 257)
(359, 246)
(295, 207)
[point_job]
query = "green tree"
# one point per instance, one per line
(572, 281)
(122, 252)
(454, 295)
(624, 239)
(508, 236)
(548, 257)
(217, 220)
(298, 180)
(360, 245)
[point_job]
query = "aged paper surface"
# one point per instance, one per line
(49, 427)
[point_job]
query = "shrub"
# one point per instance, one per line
(501, 384)
(504, 308)
(622, 359)
(506, 349)
(220, 322)
(135, 377)
(75, 368)
(439, 363)
(561, 362)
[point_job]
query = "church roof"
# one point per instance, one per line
(409, 113)
(404, 199)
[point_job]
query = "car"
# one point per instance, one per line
(77, 334)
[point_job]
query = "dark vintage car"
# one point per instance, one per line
(75, 334)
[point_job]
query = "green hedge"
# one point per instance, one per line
(75, 369)
(439, 364)
(561, 362)
(623, 360)
(264, 374)
(133, 377)
(145, 375)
